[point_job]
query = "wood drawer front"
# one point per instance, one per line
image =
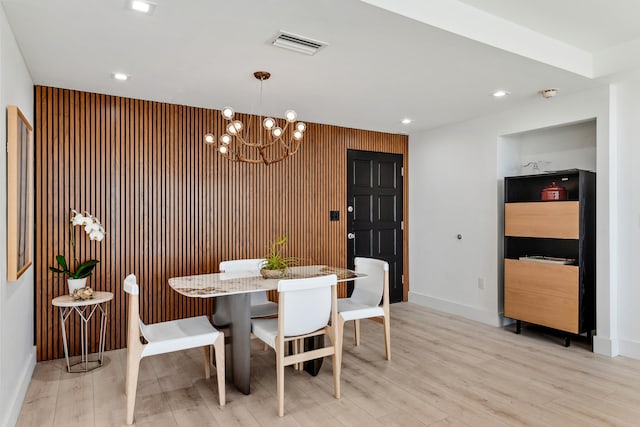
(556, 220)
(544, 294)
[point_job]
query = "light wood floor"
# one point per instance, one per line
(445, 371)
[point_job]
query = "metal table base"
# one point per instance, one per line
(85, 309)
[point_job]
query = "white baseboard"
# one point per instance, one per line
(19, 392)
(605, 346)
(630, 349)
(468, 312)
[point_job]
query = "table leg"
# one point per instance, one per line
(313, 366)
(63, 320)
(235, 311)
(103, 332)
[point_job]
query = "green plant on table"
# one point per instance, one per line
(274, 260)
(95, 231)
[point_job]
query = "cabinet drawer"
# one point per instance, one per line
(541, 293)
(555, 220)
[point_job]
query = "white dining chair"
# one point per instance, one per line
(166, 337)
(364, 302)
(260, 304)
(306, 308)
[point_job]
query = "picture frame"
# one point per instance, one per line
(19, 193)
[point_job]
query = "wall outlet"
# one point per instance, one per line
(481, 283)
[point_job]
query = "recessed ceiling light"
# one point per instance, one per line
(120, 76)
(142, 6)
(406, 121)
(501, 93)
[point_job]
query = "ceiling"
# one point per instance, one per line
(591, 25)
(383, 62)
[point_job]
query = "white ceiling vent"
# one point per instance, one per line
(297, 43)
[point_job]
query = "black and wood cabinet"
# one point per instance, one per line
(550, 252)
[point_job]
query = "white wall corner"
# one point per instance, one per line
(450, 307)
(19, 391)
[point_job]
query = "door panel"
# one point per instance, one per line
(387, 208)
(363, 208)
(387, 175)
(363, 243)
(387, 242)
(374, 191)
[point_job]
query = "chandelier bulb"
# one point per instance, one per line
(208, 138)
(297, 135)
(268, 123)
(290, 116)
(223, 149)
(227, 113)
(231, 129)
(237, 124)
(225, 139)
(301, 126)
(277, 132)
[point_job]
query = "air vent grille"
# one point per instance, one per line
(297, 43)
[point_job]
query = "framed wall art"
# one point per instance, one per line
(19, 193)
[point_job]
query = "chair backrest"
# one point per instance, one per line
(370, 290)
(252, 265)
(133, 317)
(305, 304)
(130, 285)
(248, 265)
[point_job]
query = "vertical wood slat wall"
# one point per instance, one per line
(171, 205)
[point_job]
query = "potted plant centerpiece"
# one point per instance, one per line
(77, 273)
(275, 264)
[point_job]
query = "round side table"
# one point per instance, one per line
(85, 309)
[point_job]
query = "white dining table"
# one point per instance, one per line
(233, 306)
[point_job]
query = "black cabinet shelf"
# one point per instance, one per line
(557, 296)
(527, 188)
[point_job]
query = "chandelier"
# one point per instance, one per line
(268, 143)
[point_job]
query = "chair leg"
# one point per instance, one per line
(337, 357)
(280, 378)
(206, 350)
(218, 348)
(356, 328)
(387, 336)
(126, 375)
(340, 337)
(131, 385)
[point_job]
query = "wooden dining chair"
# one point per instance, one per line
(167, 337)
(260, 304)
(305, 309)
(364, 302)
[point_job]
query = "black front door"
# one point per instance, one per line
(374, 212)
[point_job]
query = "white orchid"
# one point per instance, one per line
(77, 218)
(95, 231)
(96, 235)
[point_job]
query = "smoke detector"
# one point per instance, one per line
(549, 93)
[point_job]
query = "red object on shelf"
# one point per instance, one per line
(553, 192)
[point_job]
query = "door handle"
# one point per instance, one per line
(351, 236)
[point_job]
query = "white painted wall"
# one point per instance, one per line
(570, 146)
(455, 187)
(626, 101)
(17, 352)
